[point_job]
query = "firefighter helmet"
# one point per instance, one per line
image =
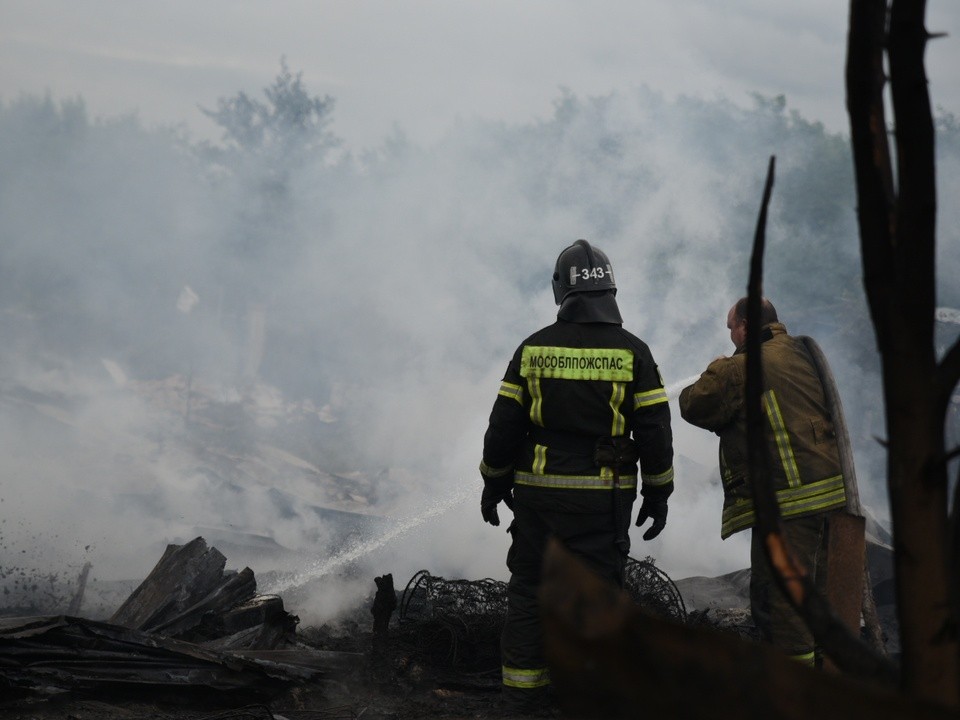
(582, 268)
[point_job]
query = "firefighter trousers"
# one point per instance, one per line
(772, 612)
(583, 520)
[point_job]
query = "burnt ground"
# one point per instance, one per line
(301, 703)
(390, 683)
(423, 667)
(439, 658)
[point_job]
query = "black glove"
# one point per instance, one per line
(493, 494)
(489, 500)
(655, 508)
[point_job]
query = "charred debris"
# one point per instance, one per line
(190, 628)
(196, 634)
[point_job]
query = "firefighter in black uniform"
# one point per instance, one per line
(559, 452)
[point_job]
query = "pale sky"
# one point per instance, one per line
(420, 65)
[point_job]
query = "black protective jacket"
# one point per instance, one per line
(568, 387)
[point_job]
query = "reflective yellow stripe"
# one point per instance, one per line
(536, 401)
(808, 506)
(782, 438)
(494, 472)
(820, 496)
(736, 518)
(661, 479)
(616, 400)
(805, 658)
(650, 397)
(539, 459)
(604, 481)
(509, 390)
(520, 678)
(610, 364)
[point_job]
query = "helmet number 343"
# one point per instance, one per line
(597, 273)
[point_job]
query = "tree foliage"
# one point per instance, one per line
(290, 128)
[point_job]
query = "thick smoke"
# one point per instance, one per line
(347, 318)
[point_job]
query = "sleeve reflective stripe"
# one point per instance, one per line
(520, 678)
(536, 401)
(494, 472)
(509, 390)
(782, 438)
(661, 479)
(650, 397)
(616, 400)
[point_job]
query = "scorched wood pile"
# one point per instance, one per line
(190, 627)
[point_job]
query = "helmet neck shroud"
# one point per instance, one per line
(588, 307)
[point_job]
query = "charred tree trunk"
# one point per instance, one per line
(897, 236)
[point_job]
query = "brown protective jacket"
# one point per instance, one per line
(805, 461)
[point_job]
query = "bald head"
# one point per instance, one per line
(737, 319)
(768, 313)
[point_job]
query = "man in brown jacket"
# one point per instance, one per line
(806, 472)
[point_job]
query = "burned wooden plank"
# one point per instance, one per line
(258, 624)
(256, 611)
(183, 576)
(189, 596)
(234, 588)
(303, 657)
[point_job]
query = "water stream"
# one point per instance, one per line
(673, 390)
(366, 545)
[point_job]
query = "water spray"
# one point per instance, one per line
(675, 388)
(362, 547)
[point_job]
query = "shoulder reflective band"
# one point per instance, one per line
(611, 364)
(509, 390)
(650, 397)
